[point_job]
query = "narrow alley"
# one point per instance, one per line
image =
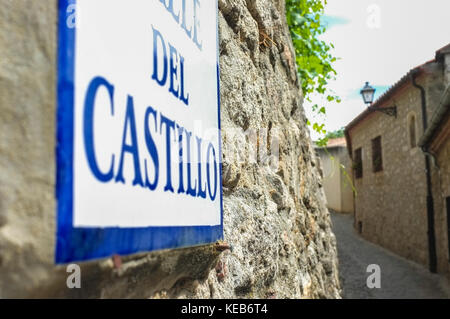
(400, 278)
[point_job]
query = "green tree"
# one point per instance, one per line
(336, 134)
(313, 56)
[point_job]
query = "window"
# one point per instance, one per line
(377, 156)
(412, 131)
(358, 163)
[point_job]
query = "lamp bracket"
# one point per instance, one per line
(391, 111)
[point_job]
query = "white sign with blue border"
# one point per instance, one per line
(138, 132)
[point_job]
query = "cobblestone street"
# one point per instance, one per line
(400, 278)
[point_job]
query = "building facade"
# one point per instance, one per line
(397, 205)
(337, 175)
(436, 142)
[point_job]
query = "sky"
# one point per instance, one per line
(377, 41)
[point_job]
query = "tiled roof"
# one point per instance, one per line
(337, 142)
(442, 51)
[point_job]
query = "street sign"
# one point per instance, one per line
(138, 129)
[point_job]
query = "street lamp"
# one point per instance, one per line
(368, 93)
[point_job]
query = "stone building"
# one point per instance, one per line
(436, 142)
(275, 220)
(337, 175)
(400, 188)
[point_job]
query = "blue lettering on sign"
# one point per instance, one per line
(201, 193)
(211, 189)
(95, 85)
(167, 129)
(194, 20)
(151, 146)
(190, 190)
(172, 67)
(132, 149)
(158, 39)
(180, 159)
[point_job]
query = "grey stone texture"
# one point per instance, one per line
(275, 219)
(441, 190)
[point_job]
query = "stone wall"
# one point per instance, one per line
(441, 187)
(441, 181)
(275, 220)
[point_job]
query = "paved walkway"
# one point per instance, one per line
(400, 278)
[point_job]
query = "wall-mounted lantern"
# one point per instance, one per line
(368, 94)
